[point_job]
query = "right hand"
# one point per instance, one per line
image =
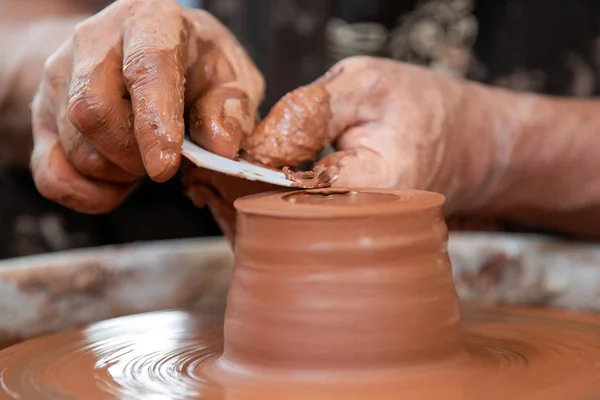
(393, 125)
(113, 101)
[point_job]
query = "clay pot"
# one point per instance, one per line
(340, 280)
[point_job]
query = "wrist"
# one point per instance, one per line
(554, 157)
(484, 129)
(526, 152)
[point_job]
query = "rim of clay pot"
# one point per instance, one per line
(338, 202)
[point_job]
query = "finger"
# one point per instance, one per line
(226, 85)
(216, 120)
(199, 187)
(154, 68)
(368, 156)
(219, 191)
(309, 118)
(222, 211)
(54, 176)
(192, 180)
(85, 158)
(359, 167)
(98, 104)
(229, 187)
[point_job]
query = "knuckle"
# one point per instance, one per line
(81, 29)
(45, 183)
(86, 160)
(141, 65)
(89, 111)
(44, 187)
(81, 153)
(53, 68)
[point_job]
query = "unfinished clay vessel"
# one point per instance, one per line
(338, 280)
(336, 294)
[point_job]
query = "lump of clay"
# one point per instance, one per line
(295, 130)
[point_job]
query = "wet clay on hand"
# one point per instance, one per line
(336, 294)
(295, 130)
(115, 98)
(319, 177)
(397, 126)
(370, 110)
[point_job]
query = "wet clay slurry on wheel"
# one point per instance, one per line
(336, 294)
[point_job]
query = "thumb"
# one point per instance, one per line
(358, 167)
(221, 118)
(311, 117)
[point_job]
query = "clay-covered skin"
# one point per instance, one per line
(489, 151)
(393, 125)
(115, 97)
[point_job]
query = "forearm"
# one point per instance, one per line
(543, 158)
(30, 31)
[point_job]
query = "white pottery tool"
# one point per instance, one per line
(242, 169)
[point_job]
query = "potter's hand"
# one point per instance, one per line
(392, 125)
(218, 191)
(113, 100)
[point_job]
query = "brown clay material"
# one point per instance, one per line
(319, 177)
(295, 131)
(512, 353)
(355, 301)
(342, 256)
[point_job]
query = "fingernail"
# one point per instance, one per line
(161, 164)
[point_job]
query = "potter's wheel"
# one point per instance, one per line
(512, 354)
(335, 294)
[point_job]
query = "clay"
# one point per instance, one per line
(295, 130)
(356, 301)
(215, 130)
(319, 177)
(513, 354)
(326, 273)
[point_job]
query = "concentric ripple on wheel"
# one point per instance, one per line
(510, 354)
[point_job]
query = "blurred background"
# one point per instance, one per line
(528, 45)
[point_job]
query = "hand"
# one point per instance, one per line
(218, 191)
(114, 98)
(393, 125)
